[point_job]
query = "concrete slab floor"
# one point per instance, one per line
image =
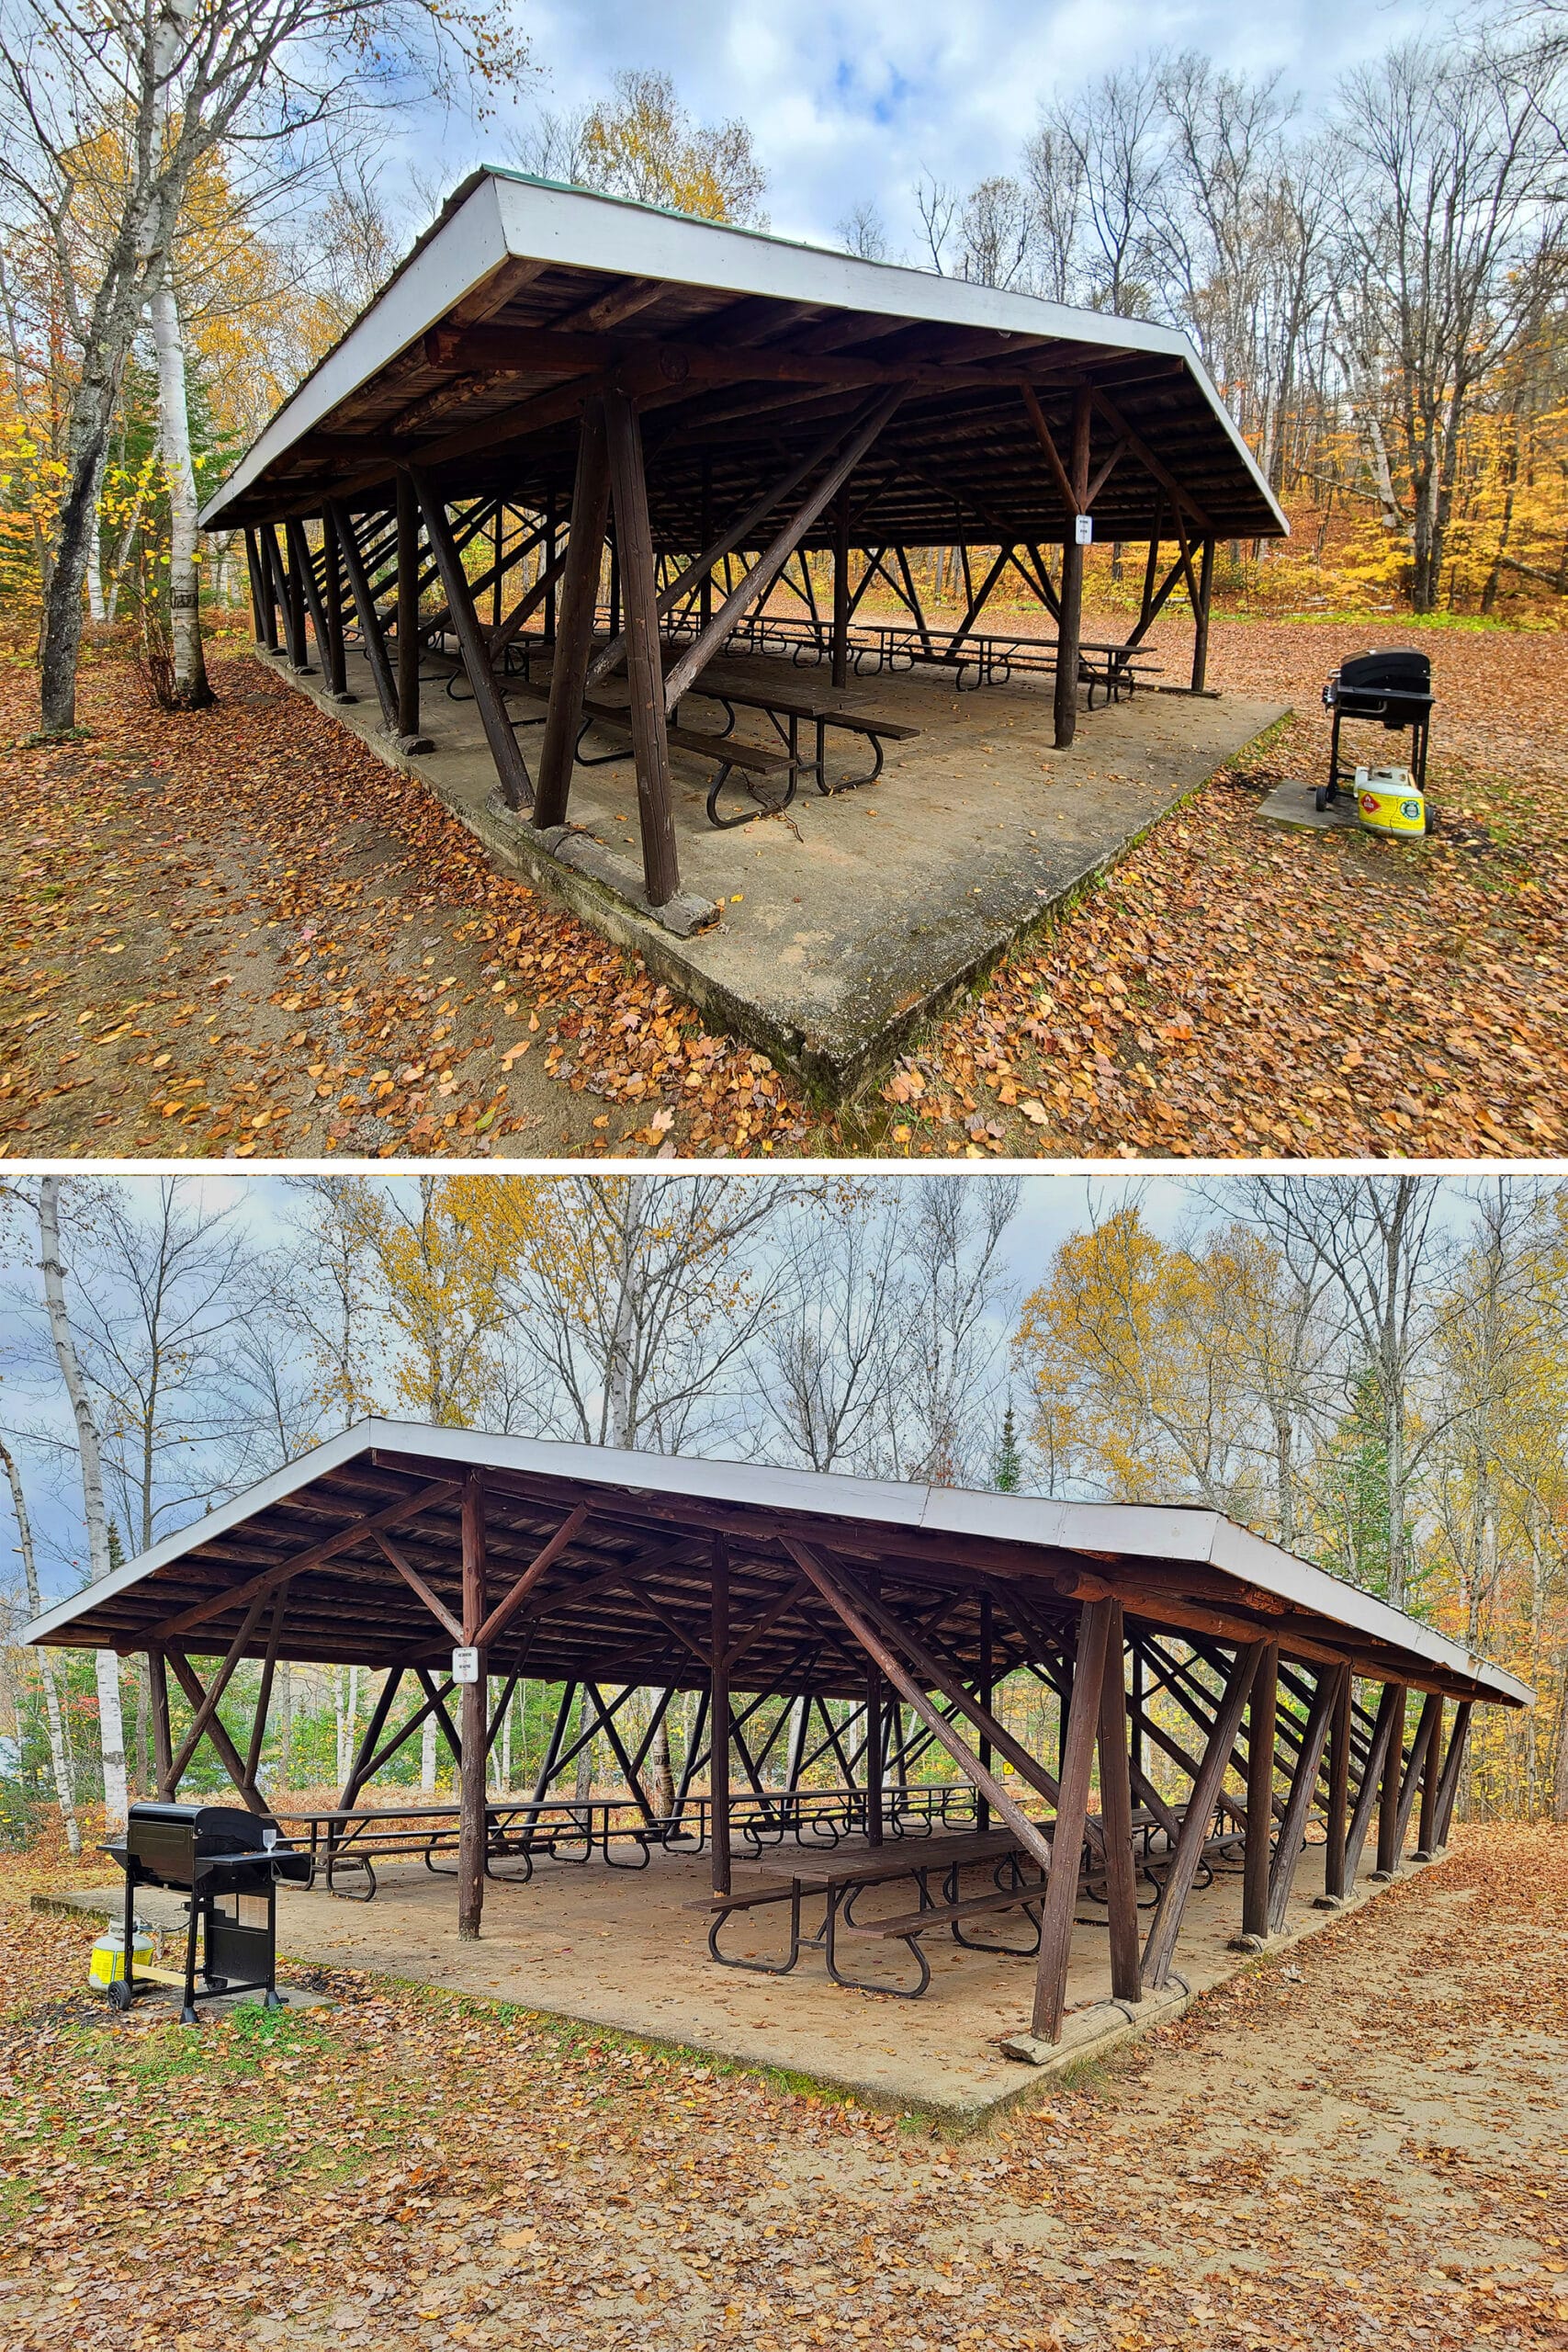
(619, 1949)
(845, 920)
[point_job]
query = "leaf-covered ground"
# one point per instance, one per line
(237, 932)
(1358, 2142)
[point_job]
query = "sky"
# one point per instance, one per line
(849, 104)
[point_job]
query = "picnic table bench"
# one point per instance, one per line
(842, 1875)
(339, 1839)
(898, 646)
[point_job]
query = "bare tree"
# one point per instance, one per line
(998, 230)
(1114, 130)
(825, 1356)
(939, 205)
(863, 233)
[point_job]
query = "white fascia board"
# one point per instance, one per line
(1130, 1531)
(508, 215)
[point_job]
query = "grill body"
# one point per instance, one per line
(1391, 689)
(218, 1857)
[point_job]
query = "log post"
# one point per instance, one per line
(1367, 1792)
(472, 1821)
(293, 624)
(988, 1676)
(510, 768)
(262, 603)
(1298, 1805)
(705, 534)
(574, 634)
(1388, 1797)
(1426, 1836)
(1056, 1912)
(368, 617)
(331, 554)
(1334, 1850)
(1116, 1818)
(409, 737)
(1200, 618)
(633, 573)
(718, 1736)
(163, 1738)
(842, 588)
(1167, 1925)
(1453, 1764)
(304, 573)
(1069, 628)
(1262, 1714)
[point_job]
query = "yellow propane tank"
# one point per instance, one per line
(1388, 802)
(107, 1962)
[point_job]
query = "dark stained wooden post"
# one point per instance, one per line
(332, 555)
(546, 562)
(1339, 1793)
(719, 1718)
(1427, 1834)
(1367, 1790)
(293, 622)
(613, 606)
(304, 572)
(1116, 1818)
(1388, 1800)
(262, 602)
(704, 539)
(510, 768)
(988, 1673)
(163, 1737)
(1298, 1807)
(472, 1822)
(1069, 628)
(1166, 1924)
(368, 617)
(1453, 1766)
(1262, 1712)
(1200, 618)
(1420, 1748)
(498, 583)
(634, 570)
(1072, 1809)
(407, 615)
(574, 637)
(842, 588)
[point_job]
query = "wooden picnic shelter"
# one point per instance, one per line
(1181, 1649)
(586, 447)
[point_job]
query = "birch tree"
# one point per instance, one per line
(111, 1730)
(58, 1762)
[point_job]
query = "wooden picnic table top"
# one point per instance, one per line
(858, 1862)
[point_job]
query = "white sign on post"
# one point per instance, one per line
(465, 1666)
(1083, 530)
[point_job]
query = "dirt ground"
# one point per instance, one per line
(1358, 2142)
(236, 933)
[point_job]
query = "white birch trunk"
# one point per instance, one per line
(111, 1728)
(97, 611)
(58, 1763)
(427, 1757)
(184, 580)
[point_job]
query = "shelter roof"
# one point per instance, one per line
(744, 349)
(296, 1560)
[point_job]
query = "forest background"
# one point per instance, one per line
(1372, 1372)
(1374, 277)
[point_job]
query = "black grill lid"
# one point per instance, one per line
(1401, 671)
(211, 1828)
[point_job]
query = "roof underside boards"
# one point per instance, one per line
(628, 1598)
(743, 352)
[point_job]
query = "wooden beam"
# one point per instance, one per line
(505, 1608)
(1116, 1816)
(376, 1723)
(1029, 1837)
(1371, 1776)
(407, 617)
(1173, 490)
(472, 1819)
(1056, 1912)
(1069, 627)
(416, 1584)
(215, 1689)
(1200, 616)
(354, 1532)
(369, 620)
(304, 572)
(1339, 1745)
(684, 672)
(719, 1687)
(1447, 1788)
(1298, 1805)
(574, 630)
(1426, 1732)
(1262, 1710)
(232, 1761)
(1166, 1923)
(1059, 473)
(332, 593)
(645, 675)
(1426, 1837)
(1388, 1795)
(264, 1694)
(516, 787)
(163, 1745)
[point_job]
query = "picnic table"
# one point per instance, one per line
(896, 646)
(839, 1877)
(338, 1839)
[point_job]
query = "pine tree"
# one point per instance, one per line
(1007, 1463)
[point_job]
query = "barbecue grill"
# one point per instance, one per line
(230, 1862)
(1392, 690)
